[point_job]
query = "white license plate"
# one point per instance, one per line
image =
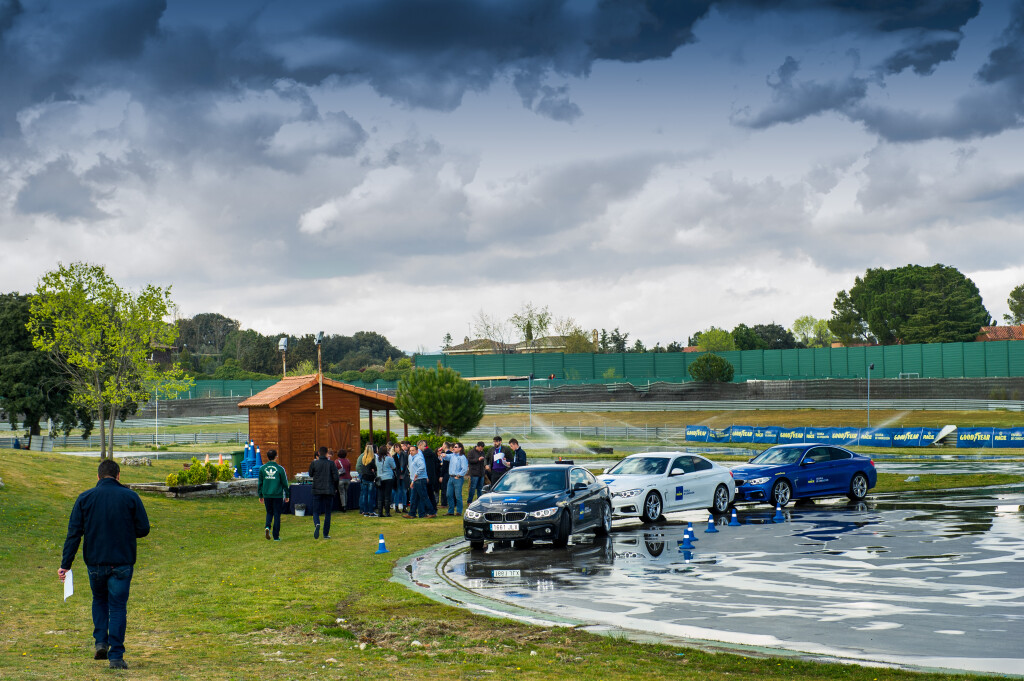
(507, 527)
(504, 573)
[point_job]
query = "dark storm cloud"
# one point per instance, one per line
(57, 190)
(793, 101)
(922, 58)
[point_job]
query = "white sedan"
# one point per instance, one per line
(650, 484)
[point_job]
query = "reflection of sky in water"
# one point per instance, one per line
(918, 580)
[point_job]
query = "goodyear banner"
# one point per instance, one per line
(697, 433)
(741, 433)
(790, 435)
(844, 436)
(1008, 437)
(767, 436)
(907, 437)
(974, 437)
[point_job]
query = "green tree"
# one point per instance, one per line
(746, 339)
(715, 340)
(711, 368)
(578, 341)
(1016, 303)
(775, 335)
(846, 323)
(532, 322)
(31, 386)
(638, 346)
(916, 304)
(439, 401)
(101, 338)
(812, 332)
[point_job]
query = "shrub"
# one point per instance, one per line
(211, 472)
(710, 368)
(379, 438)
(196, 473)
(225, 472)
(177, 479)
(351, 376)
(172, 480)
(370, 376)
(610, 373)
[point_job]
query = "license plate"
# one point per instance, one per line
(504, 573)
(504, 527)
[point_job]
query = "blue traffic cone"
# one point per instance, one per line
(689, 531)
(711, 524)
(778, 517)
(686, 543)
(735, 520)
(381, 548)
(687, 556)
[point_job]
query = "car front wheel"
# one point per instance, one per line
(858, 487)
(564, 530)
(605, 525)
(782, 492)
(476, 545)
(720, 502)
(652, 508)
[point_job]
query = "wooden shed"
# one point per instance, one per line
(288, 416)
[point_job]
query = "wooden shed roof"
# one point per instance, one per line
(291, 386)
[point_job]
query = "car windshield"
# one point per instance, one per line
(526, 480)
(778, 455)
(640, 465)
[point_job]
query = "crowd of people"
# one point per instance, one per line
(411, 481)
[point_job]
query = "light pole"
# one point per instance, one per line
(282, 346)
(319, 367)
(870, 367)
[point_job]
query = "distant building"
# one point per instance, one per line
(543, 344)
(480, 346)
(1000, 333)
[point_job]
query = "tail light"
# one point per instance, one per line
(872, 462)
(731, 475)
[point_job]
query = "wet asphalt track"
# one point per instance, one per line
(929, 580)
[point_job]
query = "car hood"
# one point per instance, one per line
(513, 500)
(754, 471)
(622, 482)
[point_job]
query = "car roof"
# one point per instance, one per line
(545, 467)
(640, 455)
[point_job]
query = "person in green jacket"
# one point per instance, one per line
(273, 491)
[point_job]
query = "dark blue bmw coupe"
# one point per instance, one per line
(804, 471)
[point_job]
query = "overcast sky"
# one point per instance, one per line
(399, 165)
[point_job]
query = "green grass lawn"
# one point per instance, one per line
(212, 599)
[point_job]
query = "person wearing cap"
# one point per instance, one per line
(476, 460)
(458, 466)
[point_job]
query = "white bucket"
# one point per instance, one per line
(300, 509)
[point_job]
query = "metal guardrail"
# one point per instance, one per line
(129, 439)
(754, 405)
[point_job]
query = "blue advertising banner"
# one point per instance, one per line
(768, 435)
(790, 435)
(697, 433)
(974, 437)
(718, 435)
(928, 436)
(1004, 438)
(878, 437)
(849, 437)
(817, 435)
(741, 434)
(907, 437)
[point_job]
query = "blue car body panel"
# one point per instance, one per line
(816, 470)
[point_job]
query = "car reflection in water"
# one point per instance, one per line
(541, 569)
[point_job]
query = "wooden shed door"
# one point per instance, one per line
(303, 436)
(338, 434)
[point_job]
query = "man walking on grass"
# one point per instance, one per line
(325, 488)
(110, 517)
(272, 489)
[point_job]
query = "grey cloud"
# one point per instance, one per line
(922, 57)
(546, 100)
(794, 101)
(57, 190)
(110, 171)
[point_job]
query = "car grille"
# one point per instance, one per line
(511, 516)
(739, 483)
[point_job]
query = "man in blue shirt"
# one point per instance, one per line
(110, 517)
(458, 466)
(418, 473)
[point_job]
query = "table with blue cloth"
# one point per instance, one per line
(302, 493)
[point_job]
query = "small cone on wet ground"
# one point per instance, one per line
(687, 543)
(381, 548)
(778, 517)
(735, 520)
(711, 524)
(690, 532)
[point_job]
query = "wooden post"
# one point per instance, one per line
(370, 440)
(387, 424)
(406, 430)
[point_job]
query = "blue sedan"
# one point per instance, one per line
(804, 471)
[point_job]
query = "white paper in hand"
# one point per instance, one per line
(69, 584)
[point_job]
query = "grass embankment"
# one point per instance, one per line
(211, 599)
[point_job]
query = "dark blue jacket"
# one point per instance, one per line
(110, 517)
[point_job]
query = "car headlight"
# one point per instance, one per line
(544, 512)
(627, 493)
(473, 515)
(757, 481)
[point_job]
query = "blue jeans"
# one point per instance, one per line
(110, 585)
(455, 494)
(274, 507)
(401, 493)
(419, 503)
(477, 484)
(367, 496)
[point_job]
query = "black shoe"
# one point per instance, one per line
(266, 531)
(316, 532)
(101, 652)
(118, 664)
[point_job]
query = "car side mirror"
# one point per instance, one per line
(807, 462)
(579, 486)
(751, 459)
(676, 471)
(487, 488)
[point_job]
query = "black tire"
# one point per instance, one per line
(782, 493)
(720, 501)
(858, 487)
(605, 526)
(653, 507)
(476, 545)
(564, 530)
